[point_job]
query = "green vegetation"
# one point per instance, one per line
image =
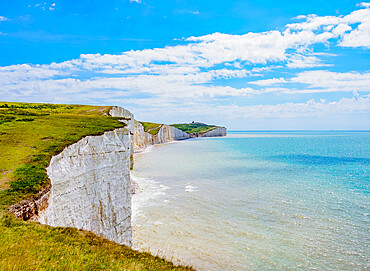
(199, 128)
(30, 134)
(151, 128)
(32, 246)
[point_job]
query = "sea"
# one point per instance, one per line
(256, 200)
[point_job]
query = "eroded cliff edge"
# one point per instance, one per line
(90, 186)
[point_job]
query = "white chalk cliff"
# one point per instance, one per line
(142, 139)
(166, 133)
(90, 187)
(215, 132)
(90, 180)
(169, 133)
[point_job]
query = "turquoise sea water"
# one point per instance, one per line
(257, 201)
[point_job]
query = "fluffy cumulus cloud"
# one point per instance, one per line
(358, 36)
(201, 67)
(364, 4)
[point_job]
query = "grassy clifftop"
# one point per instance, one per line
(30, 134)
(196, 127)
(150, 127)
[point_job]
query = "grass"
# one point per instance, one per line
(199, 128)
(32, 246)
(151, 128)
(30, 134)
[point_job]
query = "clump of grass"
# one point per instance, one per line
(29, 178)
(5, 118)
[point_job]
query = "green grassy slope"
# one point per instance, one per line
(150, 127)
(198, 128)
(30, 134)
(32, 246)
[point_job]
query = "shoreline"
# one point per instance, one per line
(158, 221)
(145, 190)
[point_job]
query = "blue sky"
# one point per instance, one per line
(241, 64)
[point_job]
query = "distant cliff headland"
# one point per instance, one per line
(193, 129)
(69, 166)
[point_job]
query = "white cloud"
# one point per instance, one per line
(314, 22)
(341, 29)
(20, 73)
(360, 37)
(304, 61)
(364, 4)
(44, 6)
(339, 26)
(317, 82)
(137, 1)
(311, 108)
(2, 19)
(269, 82)
(300, 17)
(325, 81)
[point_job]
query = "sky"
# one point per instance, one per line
(245, 65)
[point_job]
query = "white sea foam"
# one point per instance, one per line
(189, 188)
(146, 190)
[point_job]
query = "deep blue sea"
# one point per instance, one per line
(257, 201)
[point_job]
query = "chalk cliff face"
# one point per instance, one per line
(169, 133)
(91, 186)
(128, 118)
(165, 134)
(141, 138)
(216, 132)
